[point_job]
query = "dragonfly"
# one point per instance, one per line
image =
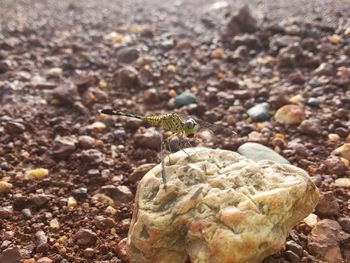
(180, 125)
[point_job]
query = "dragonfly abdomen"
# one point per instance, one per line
(121, 113)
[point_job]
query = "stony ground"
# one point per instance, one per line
(62, 61)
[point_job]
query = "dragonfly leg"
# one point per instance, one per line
(167, 147)
(162, 148)
(182, 141)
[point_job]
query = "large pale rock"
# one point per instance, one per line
(219, 207)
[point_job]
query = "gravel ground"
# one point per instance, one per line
(62, 61)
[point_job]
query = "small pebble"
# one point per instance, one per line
(342, 182)
(5, 187)
(335, 39)
(103, 199)
(344, 223)
(54, 72)
(140, 171)
(185, 98)
(311, 220)
(259, 112)
(290, 114)
(44, 260)
(111, 210)
(27, 213)
(103, 84)
(296, 99)
(86, 142)
(37, 174)
(333, 137)
(71, 203)
(218, 53)
(54, 224)
(310, 127)
(97, 126)
(343, 151)
(89, 252)
(313, 102)
(85, 237)
(328, 205)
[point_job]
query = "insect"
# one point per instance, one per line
(180, 125)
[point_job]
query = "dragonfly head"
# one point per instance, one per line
(190, 127)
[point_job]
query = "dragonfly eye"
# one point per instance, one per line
(191, 126)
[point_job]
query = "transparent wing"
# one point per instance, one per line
(211, 127)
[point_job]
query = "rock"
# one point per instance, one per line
(71, 203)
(151, 96)
(44, 260)
(121, 249)
(311, 220)
(127, 78)
(342, 182)
(54, 72)
(292, 257)
(36, 174)
(5, 187)
(127, 55)
(27, 213)
(83, 80)
(150, 139)
(5, 65)
(279, 42)
(80, 193)
(92, 156)
(328, 205)
(325, 69)
(218, 53)
(14, 127)
(103, 199)
(296, 248)
(120, 194)
(6, 212)
(259, 112)
(54, 224)
(335, 165)
(40, 200)
(229, 83)
(333, 137)
(89, 252)
(85, 237)
(259, 152)
(98, 126)
(11, 255)
(343, 151)
(214, 205)
(290, 114)
(63, 147)
(86, 142)
(248, 40)
(345, 223)
(310, 127)
(313, 102)
(140, 171)
(146, 76)
(41, 242)
(104, 223)
(66, 93)
(185, 98)
(323, 241)
(241, 22)
(335, 39)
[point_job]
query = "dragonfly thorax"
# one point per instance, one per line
(190, 127)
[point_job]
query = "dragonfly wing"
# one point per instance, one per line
(211, 127)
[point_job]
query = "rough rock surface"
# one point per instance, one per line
(218, 207)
